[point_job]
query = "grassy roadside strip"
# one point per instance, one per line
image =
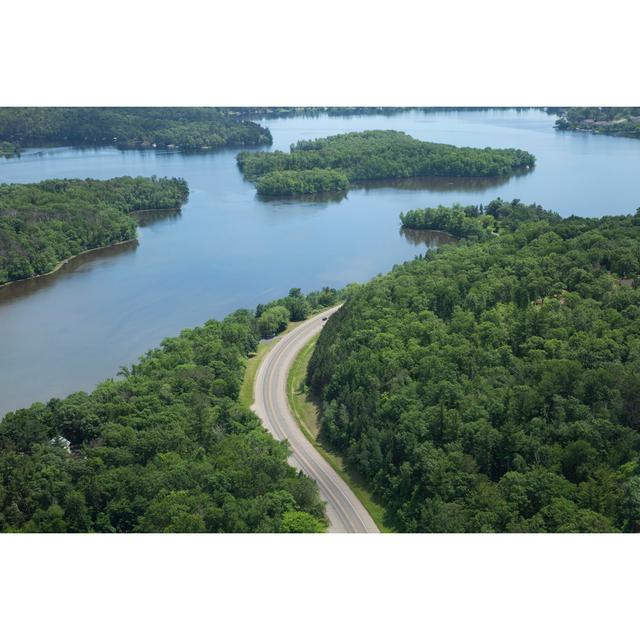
(253, 364)
(246, 396)
(305, 410)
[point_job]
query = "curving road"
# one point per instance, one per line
(345, 512)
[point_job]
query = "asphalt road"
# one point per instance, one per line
(345, 512)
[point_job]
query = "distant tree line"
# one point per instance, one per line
(307, 112)
(130, 127)
(623, 121)
(373, 155)
(494, 385)
(45, 223)
(166, 448)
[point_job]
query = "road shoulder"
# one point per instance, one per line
(305, 410)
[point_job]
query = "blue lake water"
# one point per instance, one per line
(230, 249)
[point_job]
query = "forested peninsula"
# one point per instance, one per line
(475, 221)
(494, 385)
(622, 121)
(186, 128)
(168, 447)
(44, 224)
(329, 164)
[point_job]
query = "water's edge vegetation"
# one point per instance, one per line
(67, 261)
(618, 121)
(44, 225)
(475, 222)
(169, 447)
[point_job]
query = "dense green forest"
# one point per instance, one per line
(130, 127)
(494, 385)
(301, 182)
(167, 448)
(375, 155)
(45, 223)
(475, 221)
(623, 121)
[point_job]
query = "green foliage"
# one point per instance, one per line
(273, 320)
(623, 121)
(493, 385)
(475, 222)
(372, 155)
(166, 449)
(464, 222)
(130, 127)
(45, 223)
(301, 182)
(301, 522)
(327, 297)
(295, 307)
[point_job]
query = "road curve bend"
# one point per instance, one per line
(345, 512)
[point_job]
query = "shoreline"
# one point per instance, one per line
(430, 229)
(66, 261)
(82, 253)
(167, 210)
(595, 132)
(390, 181)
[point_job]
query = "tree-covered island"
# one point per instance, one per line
(332, 163)
(44, 224)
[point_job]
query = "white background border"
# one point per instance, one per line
(282, 52)
(334, 52)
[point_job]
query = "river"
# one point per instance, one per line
(229, 249)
